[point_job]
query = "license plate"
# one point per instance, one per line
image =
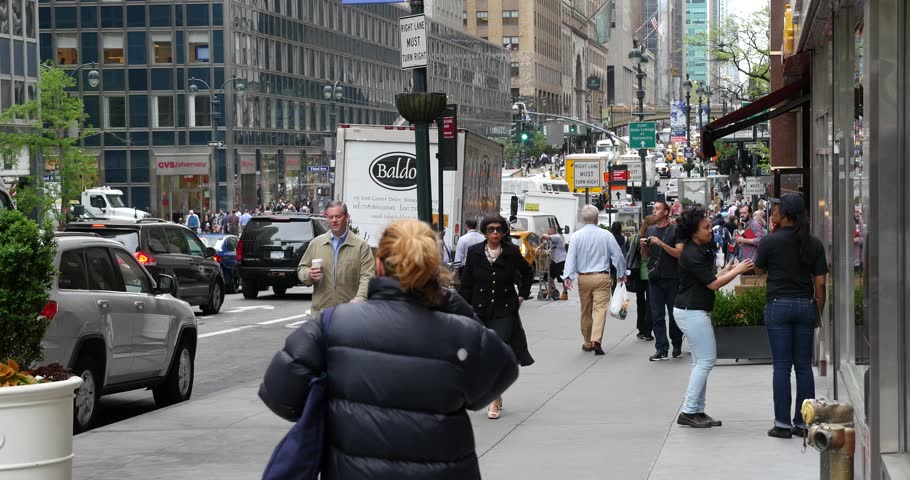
(279, 254)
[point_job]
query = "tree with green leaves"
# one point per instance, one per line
(535, 145)
(53, 127)
(743, 43)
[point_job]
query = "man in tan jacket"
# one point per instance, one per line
(347, 263)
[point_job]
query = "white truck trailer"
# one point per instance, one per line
(376, 176)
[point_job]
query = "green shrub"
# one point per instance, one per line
(745, 309)
(26, 271)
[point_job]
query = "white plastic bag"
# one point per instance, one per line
(619, 305)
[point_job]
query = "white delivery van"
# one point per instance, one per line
(376, 176)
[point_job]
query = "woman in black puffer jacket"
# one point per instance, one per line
(402, 369)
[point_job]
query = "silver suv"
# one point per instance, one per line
(116, 327)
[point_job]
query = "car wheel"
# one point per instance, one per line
(235, 281)
(178, 385)
(216, 299)
(249, 289)
(86, 401)
(279, 290)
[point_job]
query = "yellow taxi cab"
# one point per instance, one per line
(528, 244)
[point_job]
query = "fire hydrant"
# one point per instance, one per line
(831, 433)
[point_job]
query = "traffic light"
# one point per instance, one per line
(525, 136)
(573, 129)
(517, 131)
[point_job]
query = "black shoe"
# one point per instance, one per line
(707, 418)
(693, 420)
(677, 352)
(642, 336)
(598, 350)
(799, 431)
(780, 432)
(658, 356)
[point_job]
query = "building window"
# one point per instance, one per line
(510, 17)
(200, 110)
(112, 48)
(199, 47)
(67, 49)
(514, 68)
(162, 47)
(464, 18)
(510, 42)
(114, 112)
(163, 111)
(482, 17)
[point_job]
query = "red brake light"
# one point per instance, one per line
(240, 251)
(49, 310)
(217, 258)
(98, 225)
(146, 259)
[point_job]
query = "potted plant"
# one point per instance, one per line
(38, 443)
(739, 324)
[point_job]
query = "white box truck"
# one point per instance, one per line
(376, 176)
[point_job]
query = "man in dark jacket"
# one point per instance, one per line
(400, 375)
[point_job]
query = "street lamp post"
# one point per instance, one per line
(333, 93)
(638, 57)
(708, 94)
(688, 86)
(239, 86)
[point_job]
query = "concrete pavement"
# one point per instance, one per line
(570, 415)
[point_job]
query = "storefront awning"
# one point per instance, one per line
(780, 101)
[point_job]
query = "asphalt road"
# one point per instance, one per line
(235, 346)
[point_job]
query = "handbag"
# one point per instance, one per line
(299, 455)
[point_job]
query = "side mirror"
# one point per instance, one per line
(166, 285)
(209, 252)
(78, 210)
(566, 229)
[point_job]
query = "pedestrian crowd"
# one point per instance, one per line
(398, 358)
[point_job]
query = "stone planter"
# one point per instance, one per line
(742, 343)
(36, 431)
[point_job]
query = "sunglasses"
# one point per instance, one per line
(501, 230)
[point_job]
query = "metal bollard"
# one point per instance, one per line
(832, 434)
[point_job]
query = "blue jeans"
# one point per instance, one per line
(696, 324)
(662, 297)
(791, 325)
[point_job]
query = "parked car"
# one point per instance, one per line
(270, 249)
(167, 248)
(226, 255)
(115, 326)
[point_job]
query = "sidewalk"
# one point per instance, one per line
(570, 415)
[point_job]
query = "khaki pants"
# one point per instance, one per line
(595, 304)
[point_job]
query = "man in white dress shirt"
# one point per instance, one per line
(590, 253)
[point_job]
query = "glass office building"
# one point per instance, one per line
(18, 70)
(174, 149)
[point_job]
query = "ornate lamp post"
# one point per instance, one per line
(638, 56)
(214, 113)
(687, 85)
(333, 93)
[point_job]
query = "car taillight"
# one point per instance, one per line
(146, 259)
(239, 251)
(217, 258)
(49, 310)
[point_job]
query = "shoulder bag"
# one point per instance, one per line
(300, 454)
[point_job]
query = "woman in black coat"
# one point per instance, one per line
(401, 369)
(491, 272)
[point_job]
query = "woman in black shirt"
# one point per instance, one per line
(694, 302)
(797, 267)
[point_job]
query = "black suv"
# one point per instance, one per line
(167, 248)
(270, 249)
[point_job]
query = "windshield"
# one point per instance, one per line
(129, 238)
(560, 188)
(520, 224)
(214, 242)
(267, 231)
(115, 201)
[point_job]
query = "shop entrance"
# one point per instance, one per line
(182, 193)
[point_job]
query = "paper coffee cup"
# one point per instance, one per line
(317, 263)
